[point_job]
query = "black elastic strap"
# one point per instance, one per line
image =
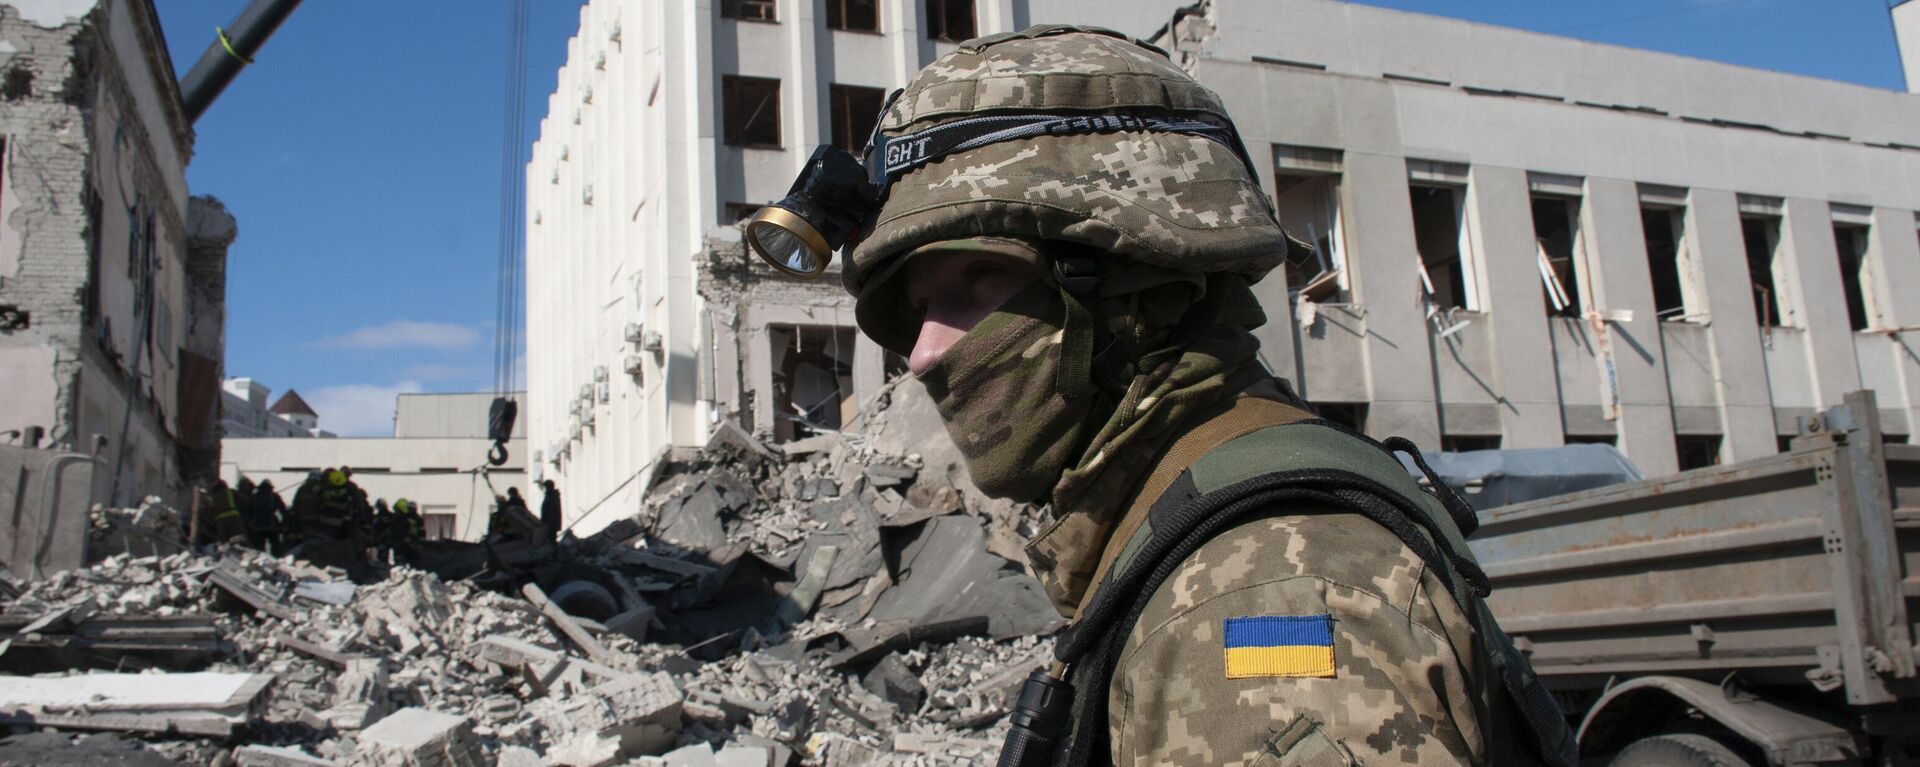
(899, 154)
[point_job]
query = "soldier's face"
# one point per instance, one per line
(954, 290)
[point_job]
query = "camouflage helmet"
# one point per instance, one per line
(1175, 200)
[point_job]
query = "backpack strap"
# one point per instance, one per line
(1239, 418)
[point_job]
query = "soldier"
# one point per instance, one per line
(220, 515)
(1070, 278)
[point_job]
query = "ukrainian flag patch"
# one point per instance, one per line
(1279, 646)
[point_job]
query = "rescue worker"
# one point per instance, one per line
(1071, 281)
(220, 515)
(334, 509)
(550, 514)
(266, 513)
(407, 533)
(380, 532)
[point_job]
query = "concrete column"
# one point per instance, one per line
(1380, 253)
(759, 373)
(804, 99)
(869, 369)
(1893, 260)
(995, 16)
(1498, 214)
(1817, 300)
(1719, 261)
(1617, 252)
(910, 46)
(1279, 336)
(692, 100)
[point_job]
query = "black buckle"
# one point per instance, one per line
(1079, 275)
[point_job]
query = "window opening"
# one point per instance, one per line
(751, 110)
(950, 20)
(1352, 415)
(1309, 203)
(1461, 443)
(1697, 451)
(854, 110)
(1761, 235)
(1851, 243)
(1438, 235)
(1593, 439)
(96, 265)
(853, 15)
(1556, 235)
(747, 10)
(737, 212)
(1660, 229)
(812, 379)
(438, 527)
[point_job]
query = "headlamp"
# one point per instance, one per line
(837, 195)
(826, 206)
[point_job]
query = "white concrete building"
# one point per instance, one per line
(434, 459)
(1694, 219)
(245, 412)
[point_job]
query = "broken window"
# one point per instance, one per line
(1438, 235)
(747, 10)
(1461, 443)
(1592, 439)
(751, 110)
(1697, 451)
(854, 110)
(1762, 238)
(950, 20)
(1671, 265)
(854, 15)
(1307, 199)
(1556, 234)
(812, 379)
(1851, 242)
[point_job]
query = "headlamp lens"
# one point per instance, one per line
(788, 242)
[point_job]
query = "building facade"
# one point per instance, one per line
(1525, 240)
(436, 459)
(112, 279)
(245, 412)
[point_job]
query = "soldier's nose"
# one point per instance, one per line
(937, 332)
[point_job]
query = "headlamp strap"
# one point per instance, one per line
(895, 155)
(1078, 277)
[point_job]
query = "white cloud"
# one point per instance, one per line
(359, 410)
(405, 334)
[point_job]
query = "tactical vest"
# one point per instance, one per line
(1261, 458)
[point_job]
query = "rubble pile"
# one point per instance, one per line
(840, 599)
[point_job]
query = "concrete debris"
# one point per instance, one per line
(840, 599)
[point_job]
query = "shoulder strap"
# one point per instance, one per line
(1241, 417)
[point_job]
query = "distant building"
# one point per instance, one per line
(1525, 240)
(436, 458)
(244, 412)
(112, 279)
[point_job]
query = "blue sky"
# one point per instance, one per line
(361, 155)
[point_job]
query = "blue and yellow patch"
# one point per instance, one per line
(1279, 645)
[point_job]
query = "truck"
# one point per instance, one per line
(1761, 612)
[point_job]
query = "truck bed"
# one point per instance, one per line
(1796, 568)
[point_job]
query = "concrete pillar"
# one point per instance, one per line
(1279, 336)
(1617, 251)
(910, 47)
(995, 16)
(1817, 301)
(804, 99)
(1719, 263)
(1381, 252)
(869, 369)
(1906, 29)
(1893, 260)
(1498, 214)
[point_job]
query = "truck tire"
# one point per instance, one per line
(1677, 750)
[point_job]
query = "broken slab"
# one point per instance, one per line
(800, 601)
(418, 737)
(565, 623)
(326, 592)
(641, 711)
(208, 692)
(946, 572)
(892, 681)
(277, 756)
(244, 591)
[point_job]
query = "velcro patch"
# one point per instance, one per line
(1279, 646)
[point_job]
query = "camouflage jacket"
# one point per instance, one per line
(1398, 686)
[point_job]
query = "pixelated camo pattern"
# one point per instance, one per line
(1404, 690)
(1173, 200)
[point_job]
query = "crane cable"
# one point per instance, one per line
(507, 298)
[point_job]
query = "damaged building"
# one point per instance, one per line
(112, 278)
(1522, 240)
